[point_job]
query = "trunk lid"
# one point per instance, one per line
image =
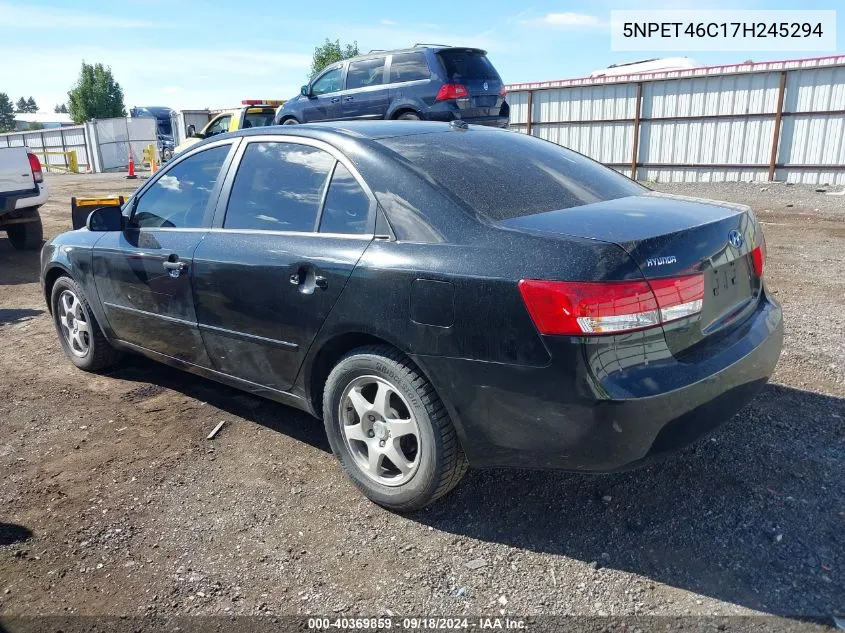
(671, 236)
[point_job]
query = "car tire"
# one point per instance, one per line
(86, 346)
(290, 122)
(409, 425)
(27, 236)
(409, 116)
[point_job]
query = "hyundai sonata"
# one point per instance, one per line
(441, 295)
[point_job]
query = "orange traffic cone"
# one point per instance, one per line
(131, 173)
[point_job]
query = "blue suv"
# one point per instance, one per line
(426, 82)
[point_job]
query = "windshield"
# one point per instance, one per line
(503, 175)
(259, 117)
(467, 64)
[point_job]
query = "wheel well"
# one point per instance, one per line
(50, 280)
(327, 358)
(402, 111)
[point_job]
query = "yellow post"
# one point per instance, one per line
(72, 162)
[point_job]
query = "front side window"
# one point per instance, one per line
(218, 126)
(179, 197)
(330, 82)
(278, 187)
(364, 73)
(347, 207)
(408, 67)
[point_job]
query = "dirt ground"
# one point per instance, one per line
(113, 502)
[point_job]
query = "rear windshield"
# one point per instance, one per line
(503, 175)
(467, 64)
(259, 117)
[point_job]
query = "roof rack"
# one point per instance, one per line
(419, 45)
(376, 50)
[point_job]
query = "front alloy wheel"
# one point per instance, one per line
(73, 324)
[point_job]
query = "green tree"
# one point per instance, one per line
(35, 125)
(331, 52)
(31, 106)
(96, 95)
(60, 108)
(20, 106)
(7, 113)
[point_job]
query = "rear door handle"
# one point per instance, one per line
(174, 267)
(347, 98)
(307, 279)
(321, 282)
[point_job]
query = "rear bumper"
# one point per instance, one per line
(570, 416)
(448, 111)
(33, 201)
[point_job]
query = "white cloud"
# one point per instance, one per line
(388, 22)
(567, 20)
(34, 17)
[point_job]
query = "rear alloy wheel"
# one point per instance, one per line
(290, 122)
(26, 236)
(79, 333)
(390, 431)
(409, 116)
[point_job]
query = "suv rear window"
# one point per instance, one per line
(467, 64)
(503, 175)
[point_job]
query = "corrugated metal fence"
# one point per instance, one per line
(766, 121)
(100, 144)
(53, 141)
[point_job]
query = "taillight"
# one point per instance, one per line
(758, 258)
(451, 91)
(589, 308)
(503, 92)
(35, 166)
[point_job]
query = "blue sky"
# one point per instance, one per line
(213, 53)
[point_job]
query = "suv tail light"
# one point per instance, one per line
(452, 91)
(758, 258)
(579, 308)
(35, 166)
(503, 92)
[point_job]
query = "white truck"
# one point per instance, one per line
(22, 192)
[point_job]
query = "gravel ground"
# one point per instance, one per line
(114, 503)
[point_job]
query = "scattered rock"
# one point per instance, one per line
(476, 563)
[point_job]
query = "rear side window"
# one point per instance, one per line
(347, 206)
(367, 72)
(503, 175)
(467, 64)
(278, 187)
(179, 197)
(408, 67)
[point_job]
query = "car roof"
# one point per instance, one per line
(363, 130)
(415, 49)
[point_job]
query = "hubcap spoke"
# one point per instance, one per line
(381, 404)
(398, 428)
(374, 458)
(82, 326)
(362, 407)
(355, 432)
(397, 458)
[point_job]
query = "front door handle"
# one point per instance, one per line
(335, 99)
(347, 98)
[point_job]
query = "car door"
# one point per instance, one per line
(323, 101)
(292, 222)
(143, 273)
(365, 96)
(218, 125)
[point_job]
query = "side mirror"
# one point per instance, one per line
(105, 219)
(304, 91)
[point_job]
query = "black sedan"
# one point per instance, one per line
(440, 295)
